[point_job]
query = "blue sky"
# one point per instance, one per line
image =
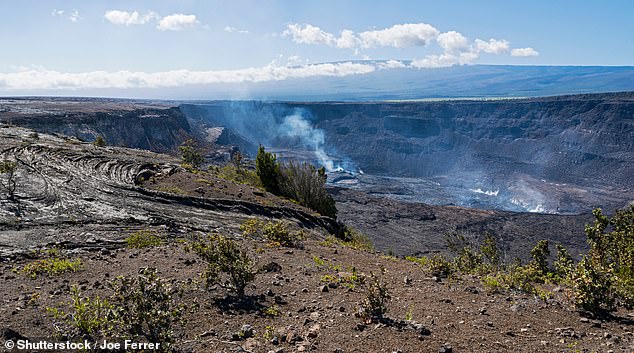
(102, 44)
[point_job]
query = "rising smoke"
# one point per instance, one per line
(296, 126)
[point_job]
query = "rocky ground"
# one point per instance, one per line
(311, 316)
(86, 200)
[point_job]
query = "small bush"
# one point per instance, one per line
(191, 156)
(146, 307)
(143, 238)
(268, 170)
(374, 305)
(238, 175)
(355, 239)
(51, 267)
(564, 265)
(225, 256)
(139, 307)
(605, 277)
(490, 251)
(439, 266)
(306, 184)
(492, 284)
(277, 233)
(86, 317)
(592, 287)
(99, 141)
(8, 183)
(539, 264)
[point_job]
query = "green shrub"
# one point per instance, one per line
(224, 256)
(306, 184)
(145, 307)
(238, 175)
(143, 238)
(539, 264)
(8, 183)
(606, 275)
(353, 238)
(51, 267)
(191, 156)
(277, 233)
(564, 265)
(268, 170)
(139, 307)
(438, 266)
(86, 317)
(490, 251)
(99, 141)
(374, 305)
(492, 284)
(592, 287)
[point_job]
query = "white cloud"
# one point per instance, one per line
(399, 36)
(127, 18)
(524, 52)
(177, 22)
(391, 64)
(452, 41)
(74, 16)
(231, 29)
(492, 46)
(347, 40)
(308, 34)
(42, 79)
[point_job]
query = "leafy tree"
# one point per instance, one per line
(606, 274)
(306, 184)
(190, 154)
(8, 183)
(99, 141)
(268, 170)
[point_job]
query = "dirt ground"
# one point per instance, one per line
(459, 314)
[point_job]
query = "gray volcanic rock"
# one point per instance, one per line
(150, 126)
(580, 147)
(81, 195)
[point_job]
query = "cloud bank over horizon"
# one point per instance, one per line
(457, 49)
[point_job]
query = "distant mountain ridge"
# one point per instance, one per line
(468, 81)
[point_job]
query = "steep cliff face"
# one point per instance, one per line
(565, 139)
(146, 126)
(576, 151)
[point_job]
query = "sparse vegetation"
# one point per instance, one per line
(143, 239)
(146, 307)
(143, 306)
(8, 183)
(85, 317)
(301, 182)
(268, 170)
(374, 305)
(228, 264)
(99, 141)
(605, 276)
(306, 184)
(238, 175)
(277, 233)
(352, 238)
(51, 267)
(191, 156)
